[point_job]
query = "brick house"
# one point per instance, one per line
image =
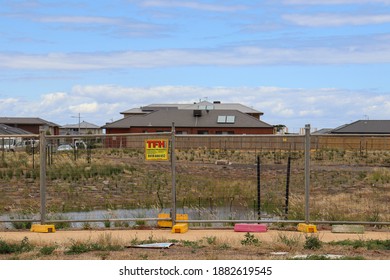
(31, 125)
(199, 118)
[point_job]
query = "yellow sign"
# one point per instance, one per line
(156, 149)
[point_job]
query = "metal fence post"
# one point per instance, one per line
(307, 173)
(173, 168)
(42, 141)
(258, 188)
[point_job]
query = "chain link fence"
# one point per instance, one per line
(218, 180)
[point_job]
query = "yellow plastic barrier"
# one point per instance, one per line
(180, 228)
(307, 228)
(168, 224)
(43, 228)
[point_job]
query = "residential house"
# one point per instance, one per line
(32, 125)
(9, 130)
(202, 120)
(80, 129)
(364, 127)
(203, 105)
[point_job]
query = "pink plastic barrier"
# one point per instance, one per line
(250, 227)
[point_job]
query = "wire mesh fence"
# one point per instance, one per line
(105, 181)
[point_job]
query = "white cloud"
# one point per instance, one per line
(317, 20)
(6, 104)
(238, 56)
(78, 20)
(92, 107)
(195, 5)
(54, 98)
(294, 107)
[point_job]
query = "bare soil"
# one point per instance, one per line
(196, 244)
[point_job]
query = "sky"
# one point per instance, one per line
(319, 62)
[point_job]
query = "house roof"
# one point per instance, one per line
(186, 118)
(26, 120)
(322, 131)
(9, 130)
(83, 125)
(364, 127)
(203, 105)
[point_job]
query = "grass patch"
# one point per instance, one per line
(105, 243)
(312, 242)
(11, 248)
(47, 250)
(290, 241)
(368, 244)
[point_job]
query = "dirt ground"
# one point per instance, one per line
(215, 244)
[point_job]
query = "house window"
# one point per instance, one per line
(221, 119)
(203, 132)
(226, 119)
(230, 119)
(224, 132)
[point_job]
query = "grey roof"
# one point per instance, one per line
(322, 131)
(26, 120)
(364, 127)
(195, 106)
(185, 118)
(83, 125)
(8, 130)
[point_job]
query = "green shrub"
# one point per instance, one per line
(250, 240)
(47, 250)
(312, 243)
(9, 248)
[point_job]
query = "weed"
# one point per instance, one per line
(22, 224)
(250, 240)
(143, 256)
(224, 246)
(369, 244)
(87, 226)
(312, 242)
(211, 240)
(47, 250)
(77, 248)
(192, 244)
(289, 241)
(59, 216)
(8, 248)
(136, 241)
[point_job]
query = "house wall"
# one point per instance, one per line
(191, 130)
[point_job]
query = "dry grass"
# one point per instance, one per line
(345, 185)
(108, 247)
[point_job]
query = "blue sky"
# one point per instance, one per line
(318, 62)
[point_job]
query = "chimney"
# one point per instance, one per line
(197, 113)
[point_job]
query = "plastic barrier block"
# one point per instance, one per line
(250, 227)
(308, 228)
(168, 224)
(348, 229)
(165, 224)
(180, 228)
(43, 228)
